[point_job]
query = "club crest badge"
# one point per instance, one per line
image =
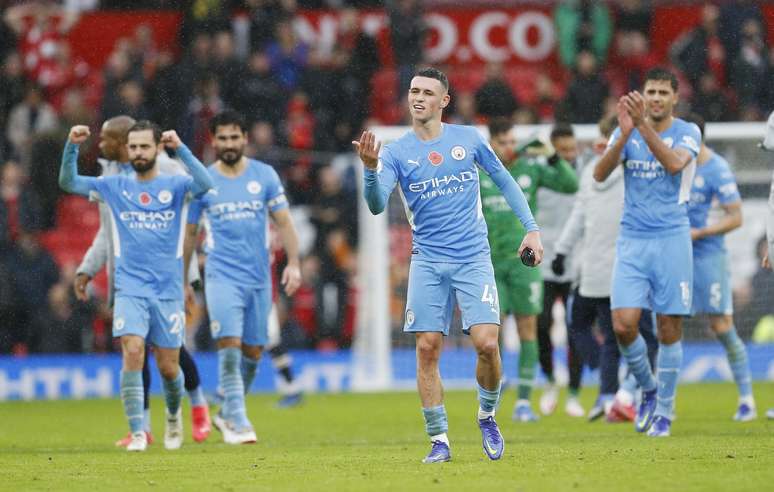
(165, 196)
(254, 187)
(458, 152)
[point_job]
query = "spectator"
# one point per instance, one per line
(12, 81)
(701, 50)
(40, 27)
(633, 17)
(263, 146)
(733, 16)
(586, 95)
(634, 58)
(407, 38)
(75, 111)
(495, 98)
(61, 326)
(204, 17)
(334, 214)
(118, 70)
(264, 15)
(582, 25)
(28, 118)
(260, 96)
(166, 97)
(750, 68)
(132, 101)
(710, 102)
(8, 306)
(464, 109)
(33, 273)
(288, 56)
(546, 98)
(762, 285)
(357, 57)
(228, 69)
(63, 74)
(19, 205)
(194, 129)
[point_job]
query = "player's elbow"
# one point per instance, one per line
(376, 208)
(599, 176)
(65, 183)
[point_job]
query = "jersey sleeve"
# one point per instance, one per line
(379, 183)
(185, 184)
(275, 192)
(725, 186)
(69, 179)
(689, 139)
(195, 209)
(485, 155)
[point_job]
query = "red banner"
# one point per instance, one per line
(456, 36)
(96, 33)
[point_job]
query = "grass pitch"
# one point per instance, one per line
(376, 442)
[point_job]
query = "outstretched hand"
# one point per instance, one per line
(368, 149)
(79, 134)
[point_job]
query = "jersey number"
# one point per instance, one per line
(490, 295)
(715, 295)
(178, 321)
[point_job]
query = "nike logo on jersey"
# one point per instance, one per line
(416, 162)
(126, 194)
(636, 143)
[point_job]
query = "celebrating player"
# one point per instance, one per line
(594, 223)
(435, 165)
(519, 287)
(112, 144)
(147, 210)
(711, 285)
(237, 273)
(653, 255)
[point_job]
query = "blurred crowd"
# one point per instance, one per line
(304, 106)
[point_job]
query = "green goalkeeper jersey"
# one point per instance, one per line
(531, 173)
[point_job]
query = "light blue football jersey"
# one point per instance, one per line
(148, 229)
(438, 183)
(654, 200)
(236, 213)
(714, 180)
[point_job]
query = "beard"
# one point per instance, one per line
(142, 166)
(230, 157)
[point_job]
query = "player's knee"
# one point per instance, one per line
(168, 369)
(252, 351)
(427, 350)
(721, 324)
(624, 332)
(488, 348)
(133, 355)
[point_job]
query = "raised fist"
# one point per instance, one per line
(79, 134)
(170, 139)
